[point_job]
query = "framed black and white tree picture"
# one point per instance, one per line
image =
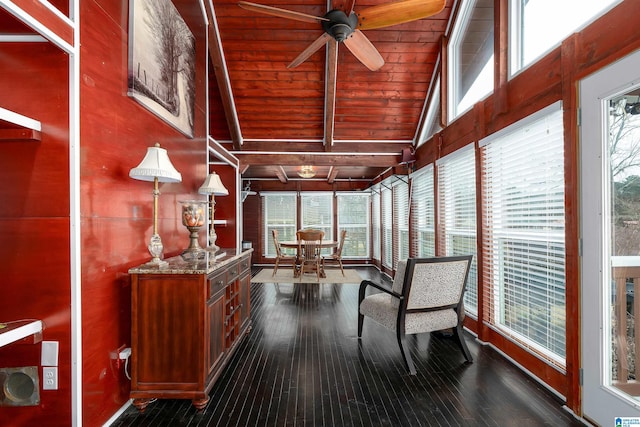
(162, 62)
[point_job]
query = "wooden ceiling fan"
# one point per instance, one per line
(345, 25)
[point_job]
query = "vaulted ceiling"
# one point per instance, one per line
(330, 111)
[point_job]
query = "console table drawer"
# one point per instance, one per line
(217, 283)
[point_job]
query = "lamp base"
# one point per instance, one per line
(156, 263)
(155, 249)
(213, 248)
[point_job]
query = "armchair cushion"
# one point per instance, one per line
(383, 309)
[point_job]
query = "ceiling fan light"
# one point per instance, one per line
(306, 172)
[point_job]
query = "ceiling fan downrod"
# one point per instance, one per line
(339, 25)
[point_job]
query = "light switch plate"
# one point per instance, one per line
(49, 353)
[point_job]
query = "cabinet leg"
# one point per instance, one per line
(142, 404)
(200, 404)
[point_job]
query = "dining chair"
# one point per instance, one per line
(336, 257)
(280, 256)
(309, 247)
(309, 234)
(426, 296)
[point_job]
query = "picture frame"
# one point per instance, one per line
(161, 72)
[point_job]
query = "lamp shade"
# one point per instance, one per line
(156, 164)
(213, 185)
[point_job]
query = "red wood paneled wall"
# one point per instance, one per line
(34, 220)
(116, 211)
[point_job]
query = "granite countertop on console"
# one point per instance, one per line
(205, 263)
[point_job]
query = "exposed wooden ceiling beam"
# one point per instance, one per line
(297, 159)
(330, 94)
(281, 174)
(222, 77)
(333, 172)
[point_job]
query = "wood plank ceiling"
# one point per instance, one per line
(331, 111)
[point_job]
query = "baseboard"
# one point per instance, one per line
(120, 411)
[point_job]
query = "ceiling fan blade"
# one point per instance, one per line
(310, 50)
(364, 50)
(388, 14)
(281, 13)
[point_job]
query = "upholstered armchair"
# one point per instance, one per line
(426, 296)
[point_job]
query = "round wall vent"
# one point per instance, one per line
(19, 386)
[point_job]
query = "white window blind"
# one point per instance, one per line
(353, 216)
(423, 213)
(523, 216)
(279, 214)
(401, 220)
(387, 226)
(375, 223)
(317, 212)
(457, 213)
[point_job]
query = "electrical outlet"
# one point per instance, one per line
(125, 353)
(50, 375)
(115, 355)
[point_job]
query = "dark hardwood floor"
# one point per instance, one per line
(302, 365)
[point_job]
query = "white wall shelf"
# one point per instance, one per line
(15, 331)
(16, 127)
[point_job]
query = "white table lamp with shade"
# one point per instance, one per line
(156, 167)
(213, 186)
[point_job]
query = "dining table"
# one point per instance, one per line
(296, 244)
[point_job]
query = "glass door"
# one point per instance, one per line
(610, 230)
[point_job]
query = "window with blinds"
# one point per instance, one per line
(317, 212)
(457, 213)
(387, 226)
(523, 216)
(423, 213)
(375, 223)
(279, 214)
(400, 190)
(353, 216)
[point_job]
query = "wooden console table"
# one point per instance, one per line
(187, 320)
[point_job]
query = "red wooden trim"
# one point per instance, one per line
(444, 82)
(501, 53)
(570, 48)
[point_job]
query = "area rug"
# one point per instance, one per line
(285, 275)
